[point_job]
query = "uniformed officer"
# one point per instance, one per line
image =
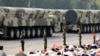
(64, 34)
(94, 35)
(45, 41)
(22, 40)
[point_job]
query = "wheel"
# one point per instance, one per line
(91, 28)
(51, 31)
(28, 33)
(17, 34)
(38, 32)
(12, 34)
(33, 32)
(85, 29)
(88, 28)
(97, 28)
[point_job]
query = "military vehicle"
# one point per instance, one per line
(33, 21)
(88, 20)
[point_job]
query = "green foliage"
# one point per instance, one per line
(98, 3)
(54, 4)
(75, 3)
(16, 3)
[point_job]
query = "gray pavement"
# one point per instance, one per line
(12, 47)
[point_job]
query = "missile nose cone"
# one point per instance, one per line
(71, 16)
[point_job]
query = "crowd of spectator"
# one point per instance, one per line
(2, 53)
(66, 50)
(70, 50)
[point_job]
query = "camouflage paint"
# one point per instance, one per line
(15, 16)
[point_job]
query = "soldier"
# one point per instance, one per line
(64, 34)
(22, 40)
(45, 41)
(94, 35)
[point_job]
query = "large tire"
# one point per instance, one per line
(28, 33)
(33, 32)
(18, 34)
(51, 31)
(39, 32)
(12, 34)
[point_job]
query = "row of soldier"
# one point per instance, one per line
(45, 40)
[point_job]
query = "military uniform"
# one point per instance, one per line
(22, 41)
(45, 41)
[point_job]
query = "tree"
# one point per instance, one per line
(15, 3)
(83, 4)
(54, 4)
(75, 4)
